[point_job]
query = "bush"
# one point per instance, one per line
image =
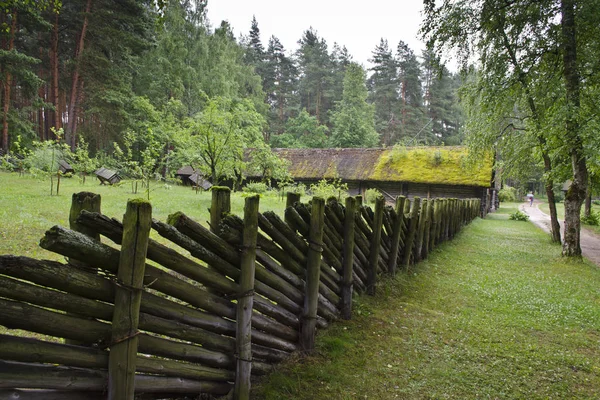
(507, 194)
(518, 216)
(326, 190)
(371, 196)
(593, 219)
(255, 187)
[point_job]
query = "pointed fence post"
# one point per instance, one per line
(128, 296)
(412, 230)
(427, 233)
(374, 246)
(348, 261)
(241, 390)
(423, 219)
(396, 232)
(291, 198)
(220, 205)
(313, 271)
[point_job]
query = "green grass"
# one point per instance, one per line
(560, 211)
(496, 313)
(27, 210)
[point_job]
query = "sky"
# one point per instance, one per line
(358, 25)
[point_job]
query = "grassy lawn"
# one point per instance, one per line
(497, 313)
(27, 210)
(560, 210)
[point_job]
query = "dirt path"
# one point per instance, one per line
(590, 243)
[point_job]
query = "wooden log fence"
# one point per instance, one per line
(137, 318)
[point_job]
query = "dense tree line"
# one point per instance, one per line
(128, 74)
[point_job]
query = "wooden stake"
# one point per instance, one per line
(313, 271)
(220, 206)
(128, 296)
(396, 232)
(412, 230)
(374, 245)
(348, 258)
(246, 300)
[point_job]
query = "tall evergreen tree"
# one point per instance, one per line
(412, 114)
(383, 85)
(353, 118)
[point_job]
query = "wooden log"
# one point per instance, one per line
(243, 370)
(220, 205)
(290, 200)
(433, 225)
(395, 241)
(376, 228)
(332, 218)
(34, 376)
(427, 232)
(412, 230)
(278, 237)
(36, 351)
(29, 394)
(128, 297)
(421, 229)
(313, 270)
(348, 259)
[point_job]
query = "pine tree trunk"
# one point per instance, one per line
(576, 193)
(75, 84)
(57, 120)
(8, 84)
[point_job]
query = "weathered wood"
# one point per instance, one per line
(295, 249)
(313, 270)
(374, 245)
(427, 232)
(35, 376)
(348, 258)
(32, 350)
(245, 300)
(412, 230)
(29, 394)
(423, 220)
(220, 205)
(290, 200)
(128, 296)
(395, 240)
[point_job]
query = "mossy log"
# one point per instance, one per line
(220, 205)
(34, 376)
(37, 351)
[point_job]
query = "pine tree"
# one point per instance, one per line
(383, 85)
(412, 114)
(353, 118)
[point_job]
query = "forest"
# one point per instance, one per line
(140, 82)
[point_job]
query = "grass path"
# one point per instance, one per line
(497, 313)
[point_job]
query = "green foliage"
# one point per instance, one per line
(255, 187)
(302, 131)
(353, 118)
(592, 219)
(507, 194)
(518, 216)
(371, 195)
(327, 189)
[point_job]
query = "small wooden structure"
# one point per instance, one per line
(199, 181)
(107, 176)
(65, 168)
(184, 173)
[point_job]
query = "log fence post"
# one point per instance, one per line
(428, 226)
(220, 205)
(374, 245)
(412, 230)
(348, 260)
(313, 270)
(245, 302)
(396, 232)
(291, 198)
(423, 219)
(128, 297)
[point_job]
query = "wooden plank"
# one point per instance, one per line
(348, 258)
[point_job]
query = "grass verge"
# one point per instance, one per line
(496, 313)
(560, 211)
(27, 210)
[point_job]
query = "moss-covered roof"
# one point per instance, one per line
(434, 165)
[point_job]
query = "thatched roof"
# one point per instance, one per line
(433, 165)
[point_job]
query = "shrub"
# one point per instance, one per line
(507, 194)
(371, 196)
(519, 216)
(255, 187)
(593, 219)
(326, 190)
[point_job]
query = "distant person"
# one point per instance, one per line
(530, 198)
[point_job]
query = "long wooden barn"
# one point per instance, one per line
(427, 172)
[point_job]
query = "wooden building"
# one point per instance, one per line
(107, 176)
(184, 174)
(65, 168)
(427, 172)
